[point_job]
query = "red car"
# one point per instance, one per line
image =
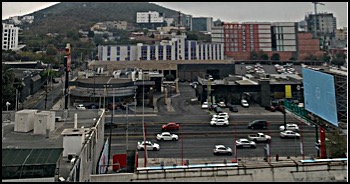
(171, 126)
(270, 108)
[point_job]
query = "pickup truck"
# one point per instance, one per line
(259, 137)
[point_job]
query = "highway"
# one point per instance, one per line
(197, 138)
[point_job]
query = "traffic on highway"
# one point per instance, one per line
(197, 137)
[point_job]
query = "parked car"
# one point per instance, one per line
(222, 150)
(194, 84)
(80, 107)
(224, 114)
(258, 124)
(289, 126)
(171, 126)
(218, 110)
(149, 146)
(259, 137)
(219, 122)
(289, 134)
(109, 124)
(245, 143)
(233, 108)
(270, 108)
(92, 106)
(167, 136)
(222, 104)
(244, 103)
(213, 106)
(205, 105)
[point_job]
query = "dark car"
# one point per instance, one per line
(218, 109)
(258, 124)
(233, 108)
(213, 106)
(270, 108)
(171, 126)
(109, 124)
(92, 106)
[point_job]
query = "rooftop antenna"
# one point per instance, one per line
(315, 7)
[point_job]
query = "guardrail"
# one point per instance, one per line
(324, 160)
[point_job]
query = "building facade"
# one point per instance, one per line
(9, 37)
(178, 48)
(326, 24)
(284, 36)
(308, 46)
(202, 24)
(150, 20)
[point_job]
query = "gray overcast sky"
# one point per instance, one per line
(225, 11)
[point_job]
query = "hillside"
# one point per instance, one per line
(66, 16)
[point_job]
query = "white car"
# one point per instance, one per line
(80, 107)
(205, 105)
(244, 103)
(219, 118)
(289, 134)
(219, 122)
(290, 126)
(222, 104)
(241, 143)
(223, 114)
(149, 146)
(167, 136)
(221, 149)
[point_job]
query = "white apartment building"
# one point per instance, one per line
(284, 36)
(178, 48)
(9, 37)
(149, 17)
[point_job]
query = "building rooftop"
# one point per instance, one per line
(53, 141)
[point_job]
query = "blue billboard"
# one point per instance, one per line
(319, 95)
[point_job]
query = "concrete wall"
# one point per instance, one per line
(289, 172)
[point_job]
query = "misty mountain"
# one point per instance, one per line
(66, 16)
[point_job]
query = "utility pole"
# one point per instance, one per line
(16, 108)
(67, 63)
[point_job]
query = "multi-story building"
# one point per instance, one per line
(326, 24)
(284, 36)
(341, 34)
(308, 46)
(242, 38)
(202, 24)
(178, 48)
(150, 20)
(9, 37)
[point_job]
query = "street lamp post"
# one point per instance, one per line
(127, 126)
(7, 106)
(110, 133)
(143, 121)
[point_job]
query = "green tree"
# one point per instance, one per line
(264, 57)
(275, 57)
(51, 50)
(98, 39)
(336, 145)
(253, 55)
(169, 77)
(91, 34)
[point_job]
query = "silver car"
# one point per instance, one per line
(167, 136)
(245, 143)
(221, 149)
(289, 134)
